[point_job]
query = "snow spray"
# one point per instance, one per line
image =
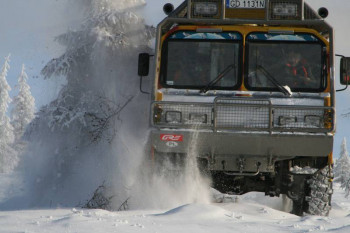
(173, 185)
(127, 165)
(95, 133)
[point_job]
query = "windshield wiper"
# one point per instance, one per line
(212, 83)
(274, 81)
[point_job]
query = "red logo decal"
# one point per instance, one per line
(171, 137)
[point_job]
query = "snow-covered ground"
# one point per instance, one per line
(252, 212)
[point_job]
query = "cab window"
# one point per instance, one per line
(191, 60)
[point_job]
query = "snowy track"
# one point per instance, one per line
(252, 213)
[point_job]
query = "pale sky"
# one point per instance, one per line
(28, 29)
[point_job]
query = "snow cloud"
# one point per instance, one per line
(96, 131)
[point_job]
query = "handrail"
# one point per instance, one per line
(266, 108)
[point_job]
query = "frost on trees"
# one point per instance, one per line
(74, 133)
(110, 34)
(342, 166)
(106, 27)
(8, 156)
(24, 106)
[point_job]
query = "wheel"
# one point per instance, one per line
(318, 200)
(311, 194)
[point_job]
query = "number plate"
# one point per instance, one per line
(250, 4)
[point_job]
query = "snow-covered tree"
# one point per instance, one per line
(342, 166)
(89, 131)
(8, 156)
(24, 106)
(110, 25)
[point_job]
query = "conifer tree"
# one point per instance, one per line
(24, 106)
(8, 157)
(342, 166)
(99, 102)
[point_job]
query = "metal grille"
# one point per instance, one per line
(293, 118)
(245, 115)
(192, 114)
(242, 114)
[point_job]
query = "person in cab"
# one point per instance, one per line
(297, 70)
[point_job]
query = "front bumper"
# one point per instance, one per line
(252, 147)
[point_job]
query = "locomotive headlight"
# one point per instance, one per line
(205, 9)
(285, 9)
(173, 117)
